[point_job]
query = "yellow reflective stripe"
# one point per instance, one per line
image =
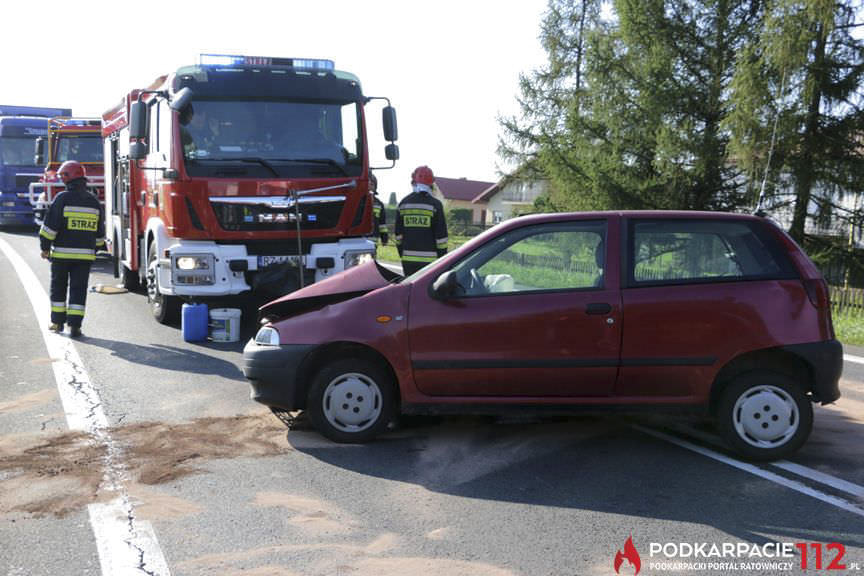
(82, 215)
(418, 258)
(72, 312)
(80, 210)
(67, 256)
(100, 242)
(383, 228)
(417, 212)
(46, 232)
(58, 308)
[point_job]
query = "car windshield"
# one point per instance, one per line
(17, 151)
(285, 135)
(83, 148)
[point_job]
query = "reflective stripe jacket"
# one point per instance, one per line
(421, 228)
(379, 215)
(73, 227)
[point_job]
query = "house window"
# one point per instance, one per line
(497, 216)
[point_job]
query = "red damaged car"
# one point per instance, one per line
(718, 313)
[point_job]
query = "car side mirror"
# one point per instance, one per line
(446, 286)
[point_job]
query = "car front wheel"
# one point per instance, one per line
(765, 415)
(351, 400)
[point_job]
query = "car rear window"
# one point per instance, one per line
(667, 251)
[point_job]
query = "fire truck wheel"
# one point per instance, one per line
(128, 278)
(164, 308)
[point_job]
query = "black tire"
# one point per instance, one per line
(165, 309)
(351, 400)
(128, 278)
(765, 415)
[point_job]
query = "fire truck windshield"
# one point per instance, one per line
(293, 139)
(78, 147)
(17, 151)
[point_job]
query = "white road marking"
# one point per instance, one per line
(851, 358)
(125, 544)
(756, 471)
(821, 477)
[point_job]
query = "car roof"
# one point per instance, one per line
(652, 214)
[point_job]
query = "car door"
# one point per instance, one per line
(697, 291)
(536, 314)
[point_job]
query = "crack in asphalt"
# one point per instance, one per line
(113, 470)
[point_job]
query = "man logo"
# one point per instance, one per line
(630, 554)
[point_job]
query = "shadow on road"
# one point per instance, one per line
(167, 357)
(591, 463)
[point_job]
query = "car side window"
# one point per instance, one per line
(558, 256)
(665, 251)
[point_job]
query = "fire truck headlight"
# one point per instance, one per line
(267, 336)
(194, 262)
(192, 269)
(356, 258)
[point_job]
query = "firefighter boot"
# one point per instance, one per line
(56, 327)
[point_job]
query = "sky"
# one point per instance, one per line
(450, 68)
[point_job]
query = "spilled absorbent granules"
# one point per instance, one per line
(53, 475)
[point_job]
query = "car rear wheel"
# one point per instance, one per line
(765, 415)
(351, 400)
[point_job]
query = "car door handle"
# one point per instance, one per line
(598, 308)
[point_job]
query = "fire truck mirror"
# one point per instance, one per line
(138, 120)
(137, 150)
(181, 99)
(39, 158)
(391, 152)
(391, 132)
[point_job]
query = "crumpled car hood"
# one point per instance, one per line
(343, 286)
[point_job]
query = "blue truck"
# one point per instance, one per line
(19, 128)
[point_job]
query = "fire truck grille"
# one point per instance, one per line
(252, 217)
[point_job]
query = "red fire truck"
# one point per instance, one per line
(67, 139)
(239, 173)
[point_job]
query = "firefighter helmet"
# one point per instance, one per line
(423, 175)
(71, 170)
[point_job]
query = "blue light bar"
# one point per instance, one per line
(229, 60)
(220, 60)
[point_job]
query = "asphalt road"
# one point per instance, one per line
(169, 467)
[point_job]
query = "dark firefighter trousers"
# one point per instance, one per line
(72, 275)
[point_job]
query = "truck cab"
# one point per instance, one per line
(67, 139)
(237, 174)
(20, 126)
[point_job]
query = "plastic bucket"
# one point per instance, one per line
(225, 324)
(194, 322)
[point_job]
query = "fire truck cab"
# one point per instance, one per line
(237, 174)
(67, 139)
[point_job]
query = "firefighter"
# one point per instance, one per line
(379, 214)
(421, 228)
(72, 231)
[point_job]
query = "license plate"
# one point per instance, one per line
(264, 261)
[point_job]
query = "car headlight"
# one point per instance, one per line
(267, 336)
(356, 258)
